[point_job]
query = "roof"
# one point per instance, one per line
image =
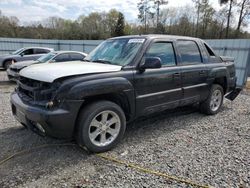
(152, 36)
(61, 52)
(39, 47)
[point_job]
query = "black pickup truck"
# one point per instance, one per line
(122, 79)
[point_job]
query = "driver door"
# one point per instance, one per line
(158, 89)
(28, 54)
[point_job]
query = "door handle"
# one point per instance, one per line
(177, 75)
(202, 72)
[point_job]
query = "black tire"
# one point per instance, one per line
(84, 127)
(206, 107)
(7, 64)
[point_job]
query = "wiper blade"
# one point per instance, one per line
(102, 61)
(86, 60)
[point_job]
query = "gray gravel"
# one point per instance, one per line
(210, 150)
(3, 76)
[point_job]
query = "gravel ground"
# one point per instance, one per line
(212, 150)
(3, 76)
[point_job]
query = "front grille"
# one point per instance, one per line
(32, 90)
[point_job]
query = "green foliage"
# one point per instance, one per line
(211, 23)
(120, 25)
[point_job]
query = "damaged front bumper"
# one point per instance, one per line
(58, 122)
(12, 75)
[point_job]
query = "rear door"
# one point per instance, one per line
(158, 89)
(194, 72)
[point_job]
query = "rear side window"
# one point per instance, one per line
(62, 57)
(189, 51)
(209, 50)
(76, 56)
(40, 51)
(163, 50)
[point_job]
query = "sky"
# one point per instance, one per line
(36, 10)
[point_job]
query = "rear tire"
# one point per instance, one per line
(214, 101)
(101, 125)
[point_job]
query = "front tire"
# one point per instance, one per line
(101, 125)
(7, 64)
(214, 101)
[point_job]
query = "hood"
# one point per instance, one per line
(6, 56)
(22, 64)
(48, 72)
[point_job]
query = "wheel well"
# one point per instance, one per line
(6, 60)
(118, 98)
(222, 81)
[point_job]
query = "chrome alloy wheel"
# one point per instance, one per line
(104, 128)
(216, 100)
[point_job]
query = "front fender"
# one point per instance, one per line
(99, 87)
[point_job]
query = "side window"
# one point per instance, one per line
(40, 51)
(209, 50)
(163, 50)
(28, 52)
(62, 57)
(75, 56)
(189, 51)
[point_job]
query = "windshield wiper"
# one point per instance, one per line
(86, 60)
(102, 61)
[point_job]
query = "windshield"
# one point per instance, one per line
(116, 51)
(46, 57)
(17, 52)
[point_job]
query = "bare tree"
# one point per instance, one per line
(229, 13)
(244, 12)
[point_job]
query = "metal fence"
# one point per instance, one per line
(237, 48)
(11, 44)
(240, 50)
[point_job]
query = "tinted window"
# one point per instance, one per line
(41, 51)
(163, 50)
(75, 56)
(28, 52)
(209, 50)
(62, 57)
(189, 52)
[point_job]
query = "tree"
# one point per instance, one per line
(207, 12)
(229, 13)
(146, 12)
(112, 19)
(197, 5)
(244, 12)
(210, 23)
(120, 25)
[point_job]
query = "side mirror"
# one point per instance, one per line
(151, 63)
(22, 54)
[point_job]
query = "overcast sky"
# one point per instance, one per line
(37, 10)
